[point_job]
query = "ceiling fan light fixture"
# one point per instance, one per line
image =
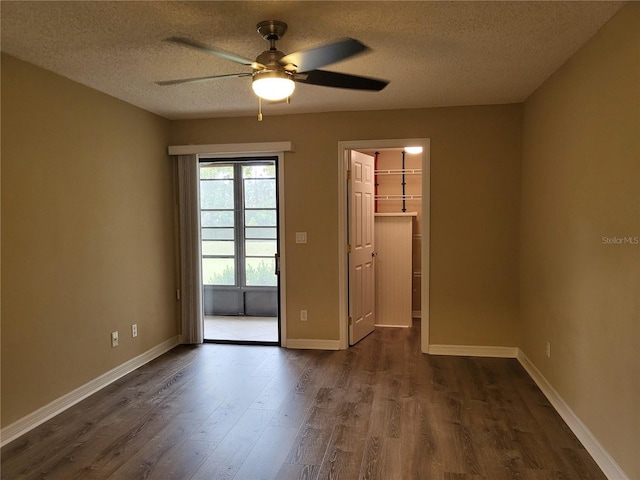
(273, 85)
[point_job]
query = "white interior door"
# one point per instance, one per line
(362, 255)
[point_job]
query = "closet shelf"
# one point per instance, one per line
(400, 171)
(398, 197)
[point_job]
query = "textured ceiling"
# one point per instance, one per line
(434, 53)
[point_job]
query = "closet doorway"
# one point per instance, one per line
(401, 222)
(240, 262)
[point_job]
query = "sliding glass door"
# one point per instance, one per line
(239, 222)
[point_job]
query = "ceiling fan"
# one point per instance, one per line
(275, 74)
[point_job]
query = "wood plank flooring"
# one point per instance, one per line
(380, 410)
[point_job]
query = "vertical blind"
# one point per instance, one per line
(190, 245)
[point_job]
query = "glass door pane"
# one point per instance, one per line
(217, 219)
(260, 221)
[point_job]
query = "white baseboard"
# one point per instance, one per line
(312, 344)
(606, 463)
(32, 420)
(381, 325)
(473, 351)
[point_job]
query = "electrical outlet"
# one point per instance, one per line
(134, 330)
(114, 339)
(548, 352)
(303, 315)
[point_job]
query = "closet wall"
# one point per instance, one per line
(389, 180)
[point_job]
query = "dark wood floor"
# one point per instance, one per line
(379, 410)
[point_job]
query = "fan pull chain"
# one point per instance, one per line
(259, 109)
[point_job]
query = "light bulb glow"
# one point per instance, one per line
(273, 85)
(413, 150)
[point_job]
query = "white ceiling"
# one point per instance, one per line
(434, 53)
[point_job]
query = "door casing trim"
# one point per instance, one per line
(343, 265)
(253, 150)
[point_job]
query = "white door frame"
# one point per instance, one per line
(343, 166)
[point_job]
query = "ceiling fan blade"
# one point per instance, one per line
(307, 60)
(341, 80)
(201, 79)
(187, 42)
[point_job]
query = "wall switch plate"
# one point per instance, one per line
(301, 237)
(114, 339)
(303, 315)
(134, 330)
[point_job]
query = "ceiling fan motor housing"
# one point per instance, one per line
(271, 59)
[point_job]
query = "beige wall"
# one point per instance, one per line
(475, 185)
(581, 182)
(87, 235)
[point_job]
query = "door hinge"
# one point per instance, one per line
(348, 248)
(351, 321)
(348, 174)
